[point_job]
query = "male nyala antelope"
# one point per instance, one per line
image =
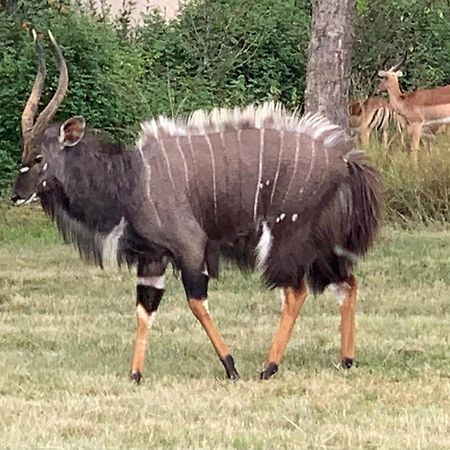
(420, 108)
(374, 114)
(289, 195)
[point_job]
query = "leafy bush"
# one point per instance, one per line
(218, 52)
(105, 74)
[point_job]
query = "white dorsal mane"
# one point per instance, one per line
(269, 115)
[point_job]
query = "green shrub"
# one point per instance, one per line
(105, 73)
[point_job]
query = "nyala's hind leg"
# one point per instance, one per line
(346, 294)
(149, 292)
(196, 286)
(293, 300)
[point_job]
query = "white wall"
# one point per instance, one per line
(169, 7)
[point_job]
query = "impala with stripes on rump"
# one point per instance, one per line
(374, 114)
(286, 194)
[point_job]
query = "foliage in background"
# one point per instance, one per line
(413, 194)
(215, 52)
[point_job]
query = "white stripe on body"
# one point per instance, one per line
(239, 138)
(213, 165)
(186, 175)
(148, 174)
(311, 165)
(191, 148)
(297, 148)
(277, 173)
(260, 168)
(169, 170)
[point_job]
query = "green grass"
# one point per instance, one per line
(67, 329)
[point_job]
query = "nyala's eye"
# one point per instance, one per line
(38, 159)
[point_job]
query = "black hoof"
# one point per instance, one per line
(346, 363)
(136, 377)
(228, 363)
(268, 371)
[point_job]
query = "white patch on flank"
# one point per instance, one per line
(205, 271)
(294, 217)
(110, 246)
(45, 167)
(158, 282)
(44, 183)
(267, 182)
(282, 216)
(341, 291)
(260, 168)
(264, 246)
(24, 169)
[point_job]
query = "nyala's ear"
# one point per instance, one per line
(398, 74)
(72, 131)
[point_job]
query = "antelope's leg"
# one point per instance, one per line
(364, 133)
(149, 292)
(346, 293)
(416, 130)
(293, 300)
(196, 291)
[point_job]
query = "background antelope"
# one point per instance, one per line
(374, 114)
(420, 108)
(268, 189)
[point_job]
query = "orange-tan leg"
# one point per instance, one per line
(144, 320)
(200, 310)
(347, 309)
(293, 300)
(149, 292)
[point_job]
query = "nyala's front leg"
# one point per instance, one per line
(149, 292)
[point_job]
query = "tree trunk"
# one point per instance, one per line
(329, 61)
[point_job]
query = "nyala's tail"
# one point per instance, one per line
(347, 226)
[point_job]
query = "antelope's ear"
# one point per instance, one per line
(398, 74)
(72, 131)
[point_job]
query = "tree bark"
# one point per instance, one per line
(329, 60)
